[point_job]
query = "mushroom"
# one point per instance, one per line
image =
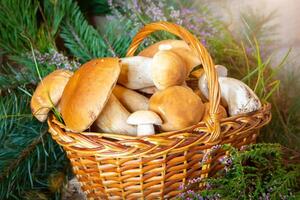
(202, 82)
(130, 99)
(144, 119)
(165, 69)
(237, 95)
(113, 118)
(48, 93)
(180, 47)
(87, 92)
(136, 72)
(179, 107)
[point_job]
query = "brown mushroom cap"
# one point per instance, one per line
(48, 93)
(151, 50)
(178, 107)
(167, 69)
(144, 117)
(131, 99)
(87, 92)
(191, 60)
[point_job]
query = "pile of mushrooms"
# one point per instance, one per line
(140, 95)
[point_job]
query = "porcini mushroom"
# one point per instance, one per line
(130, 99)
(87, 92)
(136, 72)
(179, 107)
(180, 47)
(145, 121)
(48, 93)
(113, 118)
(202, 82)
(237, 95)
(165, 69)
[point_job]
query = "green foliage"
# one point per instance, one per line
(82, 40)
(95, 7)
(286, 112)
(28, 155)
(85, 42)
(17, 21)
(257, 172)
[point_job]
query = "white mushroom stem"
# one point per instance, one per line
(113, 118)
(136, 72)
(145, 129)
(237, 95)
(130, 99)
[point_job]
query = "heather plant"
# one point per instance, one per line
(255, 172)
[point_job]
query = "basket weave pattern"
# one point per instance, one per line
(114, 166)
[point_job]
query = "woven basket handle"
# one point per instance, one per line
(212, 121)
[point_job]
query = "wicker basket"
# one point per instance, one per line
(114, 166)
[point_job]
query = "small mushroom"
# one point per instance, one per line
(178, 106)
(237, 95)
(130, 99)
(113, 118)
(48, 93)
(145, 121)
(165, 69)
(87, 92)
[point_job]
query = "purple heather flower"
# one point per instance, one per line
(181, 186)
(110, 3)
(54, 58)
(203, 41)
(136, 5)
(216, 147)
(190, 192)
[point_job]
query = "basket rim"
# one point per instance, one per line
(113, 144)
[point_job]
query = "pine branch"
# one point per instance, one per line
(17, 19)
(23, 155)
(82, 40)
(28, 155)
